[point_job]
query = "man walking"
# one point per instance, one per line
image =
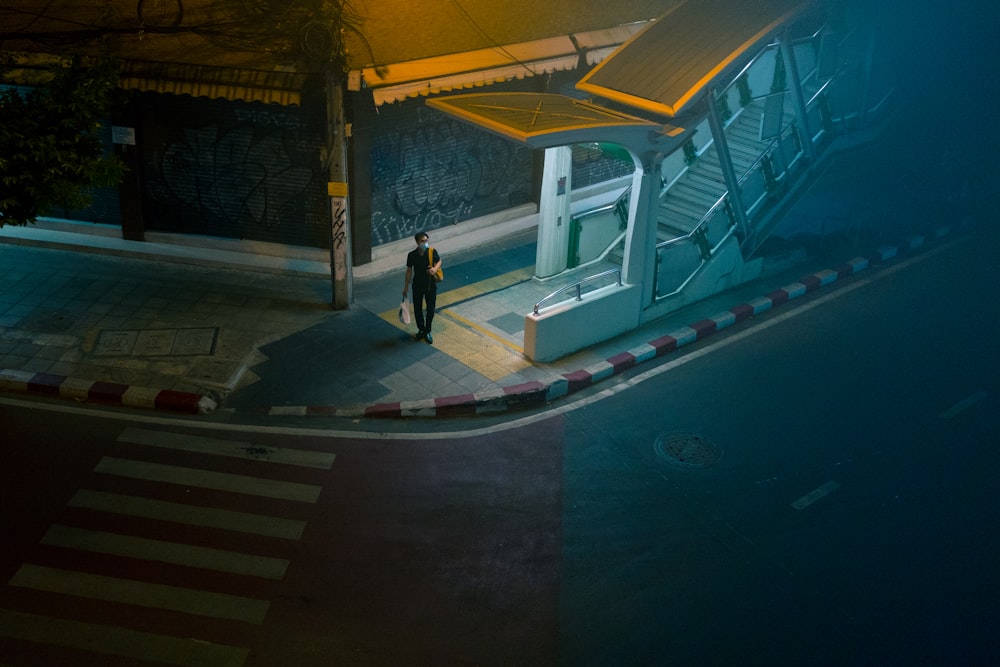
(420, 269)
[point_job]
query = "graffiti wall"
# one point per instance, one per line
(429, 171)
(233, 169)
(591, 165)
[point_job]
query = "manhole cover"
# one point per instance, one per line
(687, 449)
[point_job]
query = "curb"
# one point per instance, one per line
(536, 394)
(492, 401)
(105, 393)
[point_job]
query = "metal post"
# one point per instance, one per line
(726, 162)
(798, 98)
(337, 188)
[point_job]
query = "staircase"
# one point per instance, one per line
(684, 204)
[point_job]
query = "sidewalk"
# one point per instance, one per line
(150, 326)
(163, 335)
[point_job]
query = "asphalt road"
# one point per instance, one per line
(814, 487)
(838, 506)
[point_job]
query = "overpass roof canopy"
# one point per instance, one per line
(661, 72)
(665, 68)
(544, 120)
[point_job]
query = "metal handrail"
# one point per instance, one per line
(701, 223)
(701, 265)
(721, 200)
(819, 91)
(708, 216)
(578, 287)
(760, 158)
(604, 208)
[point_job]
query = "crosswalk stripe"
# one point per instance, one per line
(156, 596)
(166, 552)
(255, 486)
(119, 641)
(207, 517)
(231, 448)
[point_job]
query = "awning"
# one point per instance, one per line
(669, 65)
(544, 120)
(248, 85)
(482, 67)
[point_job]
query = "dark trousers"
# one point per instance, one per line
(421, 295)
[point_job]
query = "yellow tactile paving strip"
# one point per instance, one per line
(493, 284)
(481, 350)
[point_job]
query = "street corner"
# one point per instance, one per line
(105, 393)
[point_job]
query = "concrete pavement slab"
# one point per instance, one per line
(165, 335)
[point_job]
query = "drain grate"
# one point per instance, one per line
(156, 342)
(56, 321)
(689, 450)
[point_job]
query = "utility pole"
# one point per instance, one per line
(341, 275)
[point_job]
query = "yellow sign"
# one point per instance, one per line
(336, 189)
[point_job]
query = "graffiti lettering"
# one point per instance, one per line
(249, 172)
(437, 172)
(339, 221)
(268, 118)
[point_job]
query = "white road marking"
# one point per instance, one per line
(819, 492)
(221, 447)
(963, 405)
(192, 515)
(112, 544)
(206, 479)
(141, 594)
(118, 641)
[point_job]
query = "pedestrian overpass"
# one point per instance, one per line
(724, 115)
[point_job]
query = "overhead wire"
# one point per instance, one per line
(490, 38)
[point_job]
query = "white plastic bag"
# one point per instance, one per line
(404, 311)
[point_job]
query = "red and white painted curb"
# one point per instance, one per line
(535, 394)
(105, 393)
(492, 401)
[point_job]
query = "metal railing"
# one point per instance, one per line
(620, 208)
(775, 154)
(699, 234)
(604, 208)
(692, 237)
(578, 287)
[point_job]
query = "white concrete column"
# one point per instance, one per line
(639, 262)
(552, 252)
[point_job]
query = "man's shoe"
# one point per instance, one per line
(429, 338)
(420, 334)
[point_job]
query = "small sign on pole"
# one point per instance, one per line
(123, 135)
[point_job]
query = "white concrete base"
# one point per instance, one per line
(573, 325)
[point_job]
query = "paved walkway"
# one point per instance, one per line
(147, 333)
(154, 325)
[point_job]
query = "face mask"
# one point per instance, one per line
(424, 245)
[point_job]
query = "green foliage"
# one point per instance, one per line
(50, 152)
(306, 33)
